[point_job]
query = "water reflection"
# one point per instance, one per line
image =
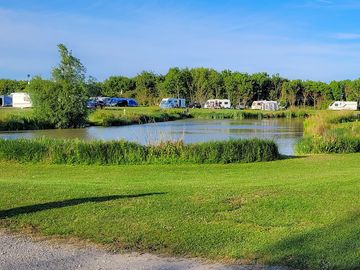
(285, 132)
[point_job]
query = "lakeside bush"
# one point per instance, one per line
(330, 132)
(123, 152)
(23, 122)
(318, 145)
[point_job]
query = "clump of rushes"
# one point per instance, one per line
(330, 132)
(122, 152)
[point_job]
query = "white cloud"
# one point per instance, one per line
(347, 36)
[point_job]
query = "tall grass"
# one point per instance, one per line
(128, 116)
(17, 120)
(123, 152)
(247, 114)
(330, 132)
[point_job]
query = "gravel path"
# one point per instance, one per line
(23, 253)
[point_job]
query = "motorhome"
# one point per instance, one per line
(5, 101)
(21, 100)
(172, 103)
(344, 105)
(217, 104)
(265, 105)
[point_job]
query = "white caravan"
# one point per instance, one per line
(344, 105)
(173, 103)
(21, 100)
(265, 105)
(217, 104)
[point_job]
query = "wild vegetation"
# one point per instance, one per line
(123, 152)
(331, 132)
(302, 212)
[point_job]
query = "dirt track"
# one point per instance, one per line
(23, 253)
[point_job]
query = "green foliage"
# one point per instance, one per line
(62, 101)
(122, 152)
(330, 132)
(21, 119)
(146, 88)
(94, 88)
(11, 86)
(117, 86)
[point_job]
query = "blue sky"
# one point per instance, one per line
(305, 39)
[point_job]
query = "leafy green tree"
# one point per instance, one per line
(117, 86)
(291, 90)
(175, 84)
(200, 84)
(337, 90)
(146, 88)
(63, 100)
(353, 90)
(94, 88)
(275, 91)
(309, 88)
(11, 86)
(261, 85)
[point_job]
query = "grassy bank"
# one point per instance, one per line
(129, 116)
(331, 132)
(122, 152)
(300, 212)
(248, 114)
(23, 119)
(20, 119)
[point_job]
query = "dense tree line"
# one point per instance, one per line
(200, 84)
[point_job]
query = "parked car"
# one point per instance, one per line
(94, 104)
(121, 102)
(196, 105)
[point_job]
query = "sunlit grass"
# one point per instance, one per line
(301, 212)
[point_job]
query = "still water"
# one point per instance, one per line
(285, 132)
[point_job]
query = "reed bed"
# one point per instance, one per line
(247, 114)
(54, 151)
(330, 132)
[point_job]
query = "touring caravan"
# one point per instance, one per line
(217, 104)
(5, 101)
(265, 105)
(344, 105)
(21, 100)
(167, 103)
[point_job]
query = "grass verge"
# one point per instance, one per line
(301, 212)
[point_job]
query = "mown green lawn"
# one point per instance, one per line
(302, 212)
